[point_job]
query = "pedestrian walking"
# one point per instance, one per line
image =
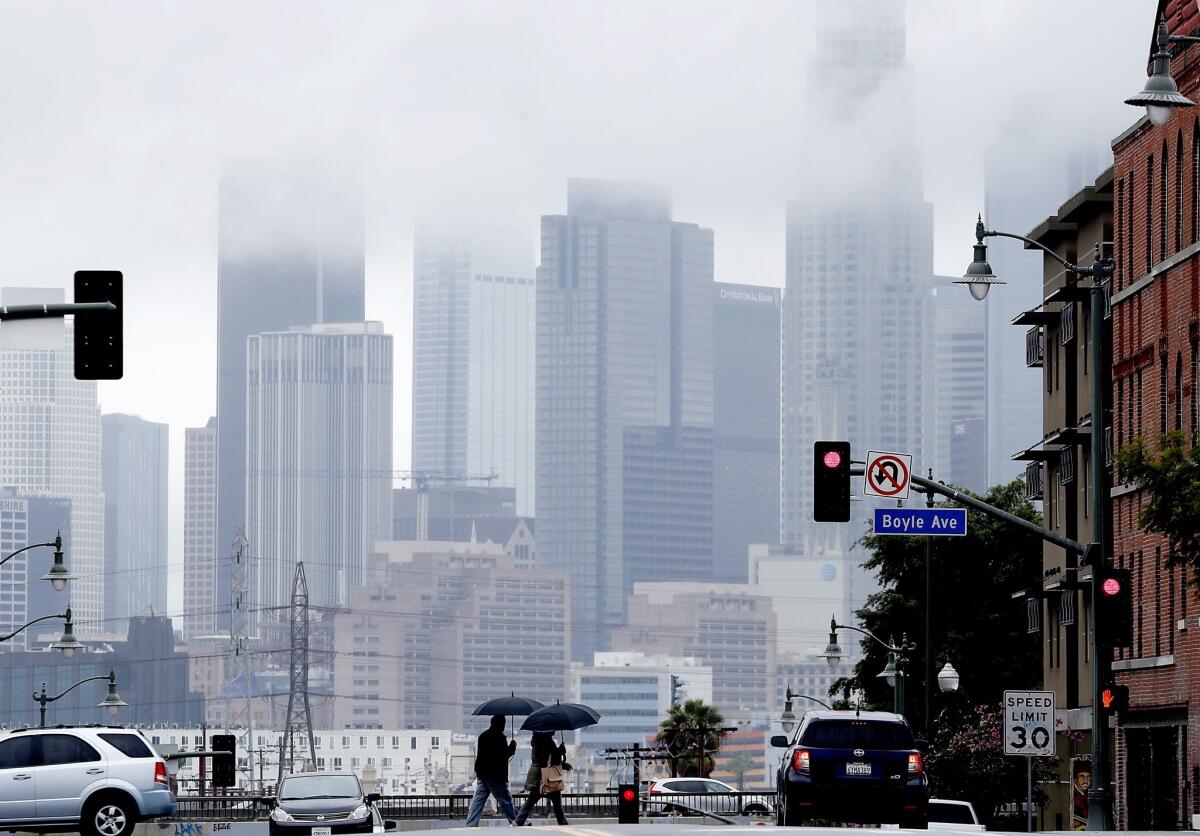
(491, 772)
(545, 776)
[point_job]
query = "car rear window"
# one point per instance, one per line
(863, 734)
(950, 813)
(129, 745)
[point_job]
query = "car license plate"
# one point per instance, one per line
(858, 769)
(322, 831)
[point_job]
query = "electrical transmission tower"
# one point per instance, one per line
(239, 710)
(299, 716)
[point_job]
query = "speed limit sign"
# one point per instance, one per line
(1029, 723)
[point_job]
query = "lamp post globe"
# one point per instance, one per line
(833, 650)
(947, 679)
(1161, 94)
(888, 674)
(68, 644)
(979, 277)
(112, 701)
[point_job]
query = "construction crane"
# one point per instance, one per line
(421, 479)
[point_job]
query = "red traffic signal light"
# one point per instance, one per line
(832, 459)
(628, 794)
(627, 804)
(831, 481)
(1111, 587)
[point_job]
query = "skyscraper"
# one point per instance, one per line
(746, 337)
(51, 448)
(959, 445)
(289, 252)
(200, 549)
(133, 467)
(473, 342)
(318, 458)
(856, 353)
(624, 399)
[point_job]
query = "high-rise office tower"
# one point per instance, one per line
(959, 438)
(856, 353)
(51, 448)
(199, 530)
(624, 399)
(289, 252)
(133, 468)
(318, 458)
(1020, 191)
(473, 342)
(745, 424)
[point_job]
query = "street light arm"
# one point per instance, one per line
(1074, 268)
(23, 628)
(111, 677)
(888, 647)
(791, 695)
(55, 543)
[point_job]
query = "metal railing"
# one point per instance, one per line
(595, 805)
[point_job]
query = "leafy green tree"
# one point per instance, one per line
(682, 732)
(1170, 473)
(967, 761)
(976, 625)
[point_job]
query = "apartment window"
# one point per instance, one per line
(1149, 213)
(1139, 404)
(1179, 191)
(1162, 391)
(1179, 391)
(1195, 390)
(1119, 221)
(1119, 418)
(1157, 601)
(413, 743)
(1171, 612)
(1139, 585)
(1129, 227)
(1162, 204)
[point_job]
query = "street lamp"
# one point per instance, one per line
(947, 679)
(58, 574)
(788, 718)
(1094, 553)
(897, 657)
(68, 644)
(111, 702)
(1161, 95)
(889, 672)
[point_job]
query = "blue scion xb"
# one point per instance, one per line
(852, 766)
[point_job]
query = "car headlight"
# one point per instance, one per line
(280, 814)
(361, 812)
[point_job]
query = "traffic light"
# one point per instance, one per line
(223, 766)
(1115, 698)
(627, 804)
(1114, 607)
(98, 334)
(831, 481)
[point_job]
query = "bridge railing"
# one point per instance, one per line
(597, 805)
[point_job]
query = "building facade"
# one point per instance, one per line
(730, 628)
(1155, 309)
(23, 595)
(51, 448)
(746, 345)
(633, 693)
(133, 467)
(624, 399)
(1058, 471)
(452, 510)
(289, 252)
(440, 627)
(473, 344)
(318, 457)
(200, 552)
(959, 440)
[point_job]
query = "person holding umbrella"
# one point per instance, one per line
(545, 776)
(491, 772)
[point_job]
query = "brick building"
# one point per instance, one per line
(1155, 307)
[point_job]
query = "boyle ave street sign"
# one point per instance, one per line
(937, 522)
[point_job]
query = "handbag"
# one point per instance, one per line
(552, 779)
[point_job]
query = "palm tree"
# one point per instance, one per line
(683, 731)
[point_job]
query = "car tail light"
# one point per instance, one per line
(160, 773)
(801, 760)
(915, 765)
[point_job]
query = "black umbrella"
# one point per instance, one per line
(565, 716)
(509, 706)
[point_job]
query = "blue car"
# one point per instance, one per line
(852, 766)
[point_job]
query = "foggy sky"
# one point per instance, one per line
(117, 118)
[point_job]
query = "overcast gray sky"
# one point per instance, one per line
(116, 117)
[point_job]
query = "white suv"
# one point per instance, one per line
(101, 780)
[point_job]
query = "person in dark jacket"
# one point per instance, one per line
(491, 772)
(546, 752)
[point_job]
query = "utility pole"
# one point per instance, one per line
(239, 706)
(928, 619)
